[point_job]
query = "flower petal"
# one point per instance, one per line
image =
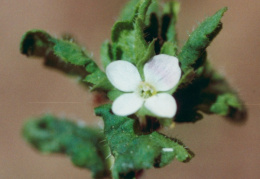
(161, 105)
(123, 75)
(127, 104)
(163, 72)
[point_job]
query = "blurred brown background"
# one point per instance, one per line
(223, 150)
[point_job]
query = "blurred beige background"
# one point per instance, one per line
(223, 150)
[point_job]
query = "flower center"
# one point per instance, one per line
(145, 90)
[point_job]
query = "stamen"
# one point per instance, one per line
(145, 90)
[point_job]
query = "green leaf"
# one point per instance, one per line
(128, 37)
(140, 45)
(221, 98)
(153, 9)
(123, 41)
(208, 92)
(113, 94)
(83, 144)
(168, 31)
(143, 8)
(64, 55)
(36, 43)
(200, 39)
(223, 104)
(169, 48)
(106, 54)
(133, 7)
(101, 77)
(71, 53)
(98, 78)
(130, 10)
(147, 55)
(169, 19)
(135, 151)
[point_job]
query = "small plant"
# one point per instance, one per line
(151, 84)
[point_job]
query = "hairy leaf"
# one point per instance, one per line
(132, 8)
(106, 54)
(209, 93)
(221, 98)
(170, 15)
(146, 56)
(169, 48)
(140, 45)
(143, 8)
(123, 38)
(168, 32)
(223, 104)
(113, 94)
(36, 43)
(128, 38)
(135, 151)
(199, 40)
(71, 53)
(64, 55)
(130, 11)
(83, 144)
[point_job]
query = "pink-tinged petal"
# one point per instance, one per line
(123, 75)
(127, 104)
(163, 72)
(161, 105)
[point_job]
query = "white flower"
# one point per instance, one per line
(161, 74)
